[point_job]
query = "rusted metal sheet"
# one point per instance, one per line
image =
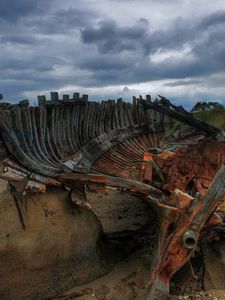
(11, 171)
(147, 168)
(191, 167)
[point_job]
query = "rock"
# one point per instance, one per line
(101, 292)
(220, 294)
(214, 260)
(140, 282)
(118, 211)
(3, 187)
(88, 291)
(58, 250)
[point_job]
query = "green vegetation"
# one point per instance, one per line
(214, 116)
(212, 113)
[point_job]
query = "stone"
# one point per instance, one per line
(214, 260)
(140, 282)
(101, 292)
(58, 249)
(88, 291)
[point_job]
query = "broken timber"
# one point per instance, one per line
(175, 249)
(178, 112)
(75, 143)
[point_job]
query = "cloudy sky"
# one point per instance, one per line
(113, 48)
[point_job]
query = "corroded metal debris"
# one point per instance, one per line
(76, 143)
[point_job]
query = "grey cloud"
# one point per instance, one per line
(108, 36)
(183, 83)
(61, 21)
(213, 19)
(106, 62)
(12, 10)
(18, 39)
(94, 50)
(26, 64)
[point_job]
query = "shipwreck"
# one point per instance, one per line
(75, 144)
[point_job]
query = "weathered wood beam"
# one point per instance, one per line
(84, 159)
(178, 112)
(100, 179)
(176, 247)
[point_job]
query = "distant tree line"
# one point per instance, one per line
(204, 106)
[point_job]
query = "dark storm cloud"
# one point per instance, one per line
(108, 36)
(183, 83)
(206, 43)
(106, 62)
(25, 65)
(51, 44)
(213, 19)
(61, 21)
(18, 39)
(12, 10)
